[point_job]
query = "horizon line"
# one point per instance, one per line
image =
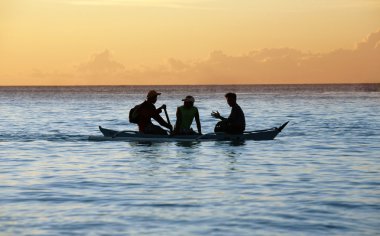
(162, 85)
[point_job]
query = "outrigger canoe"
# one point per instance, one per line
(114, 135)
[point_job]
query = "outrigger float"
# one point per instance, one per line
(127, 135)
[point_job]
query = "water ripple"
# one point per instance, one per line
(320, 176)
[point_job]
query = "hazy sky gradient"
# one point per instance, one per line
(154, 41)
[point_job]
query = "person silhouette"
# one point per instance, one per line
(185, 116)
(235, 123)
(146, 111)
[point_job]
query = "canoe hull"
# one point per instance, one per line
(113, 135)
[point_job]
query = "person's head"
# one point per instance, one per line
(152, 96)
(188, 101)
(231, 99)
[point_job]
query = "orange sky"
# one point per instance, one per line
(80, 42)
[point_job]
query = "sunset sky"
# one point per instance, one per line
(95, 42)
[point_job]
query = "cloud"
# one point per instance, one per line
(371, 42)
(177, 65)
(101, 63)
(266, 66)
(285, 65)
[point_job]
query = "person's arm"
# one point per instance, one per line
(198, 121)
(161, 121)
(159, 110)
(217, 115)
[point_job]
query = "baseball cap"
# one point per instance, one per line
(152, 93)
(189, 99)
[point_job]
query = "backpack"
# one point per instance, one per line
(134, 114)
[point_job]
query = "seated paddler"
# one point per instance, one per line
(185, 116)
(146, 111)
(235, 123)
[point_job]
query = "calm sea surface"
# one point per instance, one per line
(321, 176)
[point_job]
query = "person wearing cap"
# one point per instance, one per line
(147, 111)
(185, 116)
(235, 123)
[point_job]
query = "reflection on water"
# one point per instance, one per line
(188, 144)
(236, 143)
(143, 143)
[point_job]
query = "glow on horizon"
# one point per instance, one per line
(79, 42)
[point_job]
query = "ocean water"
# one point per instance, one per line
(320, 176)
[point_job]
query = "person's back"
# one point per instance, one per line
(146, 111)
(185, 116)
(236, 120)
